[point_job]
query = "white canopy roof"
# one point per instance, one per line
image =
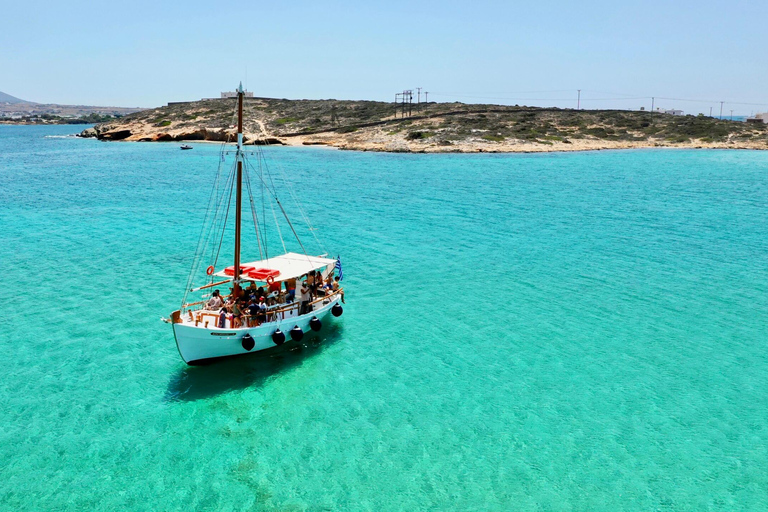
(290, 265)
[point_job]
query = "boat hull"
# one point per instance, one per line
(198, 345)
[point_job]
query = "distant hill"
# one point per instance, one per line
(432, 127)
(7, 98)
(14, 110)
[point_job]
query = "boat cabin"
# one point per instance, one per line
(269, 291)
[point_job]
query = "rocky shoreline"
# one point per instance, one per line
(436, 128)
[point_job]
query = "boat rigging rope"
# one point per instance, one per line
(253, 212)
(259, 231)
(263, 204)
(277, 224)
(291, 191)
(272, 207)
(274, 196)
(214, 259)
(214, 204)
(224, 227)
(217, 219)
(211, 206)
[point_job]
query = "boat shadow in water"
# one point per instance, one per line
(222, 376)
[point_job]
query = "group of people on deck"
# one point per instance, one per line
(255, 305)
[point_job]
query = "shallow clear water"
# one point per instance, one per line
(533, 332)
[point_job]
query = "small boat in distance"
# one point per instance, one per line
(186, 146)
(272, 301)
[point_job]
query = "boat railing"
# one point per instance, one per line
(198, 316)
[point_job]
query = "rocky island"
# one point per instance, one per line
(429, 127)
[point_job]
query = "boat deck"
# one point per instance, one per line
(201, 317)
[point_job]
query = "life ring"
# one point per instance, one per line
(210, 270)
(270, 280)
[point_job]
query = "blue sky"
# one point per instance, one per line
(536, 53)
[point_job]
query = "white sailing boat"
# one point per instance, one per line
(273, 301)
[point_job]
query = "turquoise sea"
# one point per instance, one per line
(554, 332)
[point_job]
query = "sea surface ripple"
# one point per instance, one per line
(553, 332)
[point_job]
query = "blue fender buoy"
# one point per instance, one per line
(315, 324)
(337, 310)
(297, 334)
(248, 342)
(278, 337)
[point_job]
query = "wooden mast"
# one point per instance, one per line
(239, 192)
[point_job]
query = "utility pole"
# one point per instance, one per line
(397, 96)
(721, 109)
(710, 111)
(406, 102)
(578, 101)
(731, 114)
(418, 100)
(653, 101)
(410, 102)
(426, 97)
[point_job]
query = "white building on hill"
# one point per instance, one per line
(233, 94)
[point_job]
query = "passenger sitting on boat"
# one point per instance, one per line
(251, 290)
(214, 302)
(319, 290)
(328, 287)
(336, 286)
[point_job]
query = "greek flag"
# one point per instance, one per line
(338, 267)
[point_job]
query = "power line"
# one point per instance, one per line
(621, 97)
(518, 98)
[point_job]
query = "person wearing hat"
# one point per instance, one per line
(262, 311)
